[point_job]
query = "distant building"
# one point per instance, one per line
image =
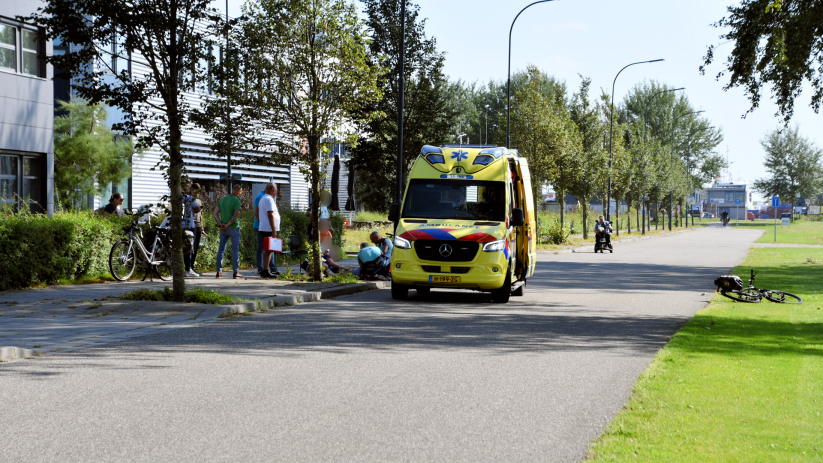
(730, 197)
(27, 116)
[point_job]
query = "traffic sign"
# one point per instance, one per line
(644, 198)
(737, 201)
(775, 201)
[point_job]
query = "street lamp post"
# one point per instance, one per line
(688, 166)
(401, 96)
(671, 161)
(611, 134)
(645, 130)
(487, 125)
(509, 76)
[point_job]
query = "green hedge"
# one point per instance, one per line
(37, 250)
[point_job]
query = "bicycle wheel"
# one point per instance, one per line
(745, 295)
(781, 297)
(163, 255)
(121, 260)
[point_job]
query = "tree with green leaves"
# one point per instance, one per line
(171, 40)
(592, 173)
(776, 43)
(428, 109)
(793, 163)
(300, 74)
(87, 154)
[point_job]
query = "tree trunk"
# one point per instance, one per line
(176, 198)
(314, 147)
(617, 215)
(628, 217)
(585, 208)
(562, 201)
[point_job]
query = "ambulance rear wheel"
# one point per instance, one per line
(502, 295)
(399, 292)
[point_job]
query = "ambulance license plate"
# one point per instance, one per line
(442, 279)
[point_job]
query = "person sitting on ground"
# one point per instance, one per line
(113, 207)
(384, 244)
(330, 267)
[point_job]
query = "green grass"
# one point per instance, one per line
(195, 295)
(371, 216)
(739, 382)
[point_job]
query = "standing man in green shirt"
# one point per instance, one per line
(226, 212)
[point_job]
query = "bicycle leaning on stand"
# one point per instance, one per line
(731, 286)
(127, 252)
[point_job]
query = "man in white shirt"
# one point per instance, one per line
(269, 219)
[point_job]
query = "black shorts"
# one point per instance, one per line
(265, 234)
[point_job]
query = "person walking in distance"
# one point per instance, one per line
(225, 214)
(197, 211)
(269, 219)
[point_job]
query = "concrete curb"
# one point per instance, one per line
(282, 301)
(12, 353)
(590, 247)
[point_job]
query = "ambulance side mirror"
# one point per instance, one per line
(394, 212)
(518, 218)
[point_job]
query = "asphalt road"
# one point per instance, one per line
(445, 377)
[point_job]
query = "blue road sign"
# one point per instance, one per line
(775, 201)
(737, 201)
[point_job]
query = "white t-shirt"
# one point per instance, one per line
(324, 212)
(265, 205)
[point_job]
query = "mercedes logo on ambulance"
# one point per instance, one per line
(446, 250)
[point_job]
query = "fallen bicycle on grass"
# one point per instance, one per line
(731, 286)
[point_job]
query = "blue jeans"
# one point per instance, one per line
(234, 235)
(259, 258)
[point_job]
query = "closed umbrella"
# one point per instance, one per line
(335, 184)
(350, 206)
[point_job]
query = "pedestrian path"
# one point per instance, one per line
(61, 318)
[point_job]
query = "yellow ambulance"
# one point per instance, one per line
(467, 221)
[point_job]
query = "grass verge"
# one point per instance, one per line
(739, 382)
(195, 295)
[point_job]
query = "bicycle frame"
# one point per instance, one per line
(146, 257)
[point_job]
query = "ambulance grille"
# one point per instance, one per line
(461, 251)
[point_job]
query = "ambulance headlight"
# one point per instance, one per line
(494, 246)
(483, 160)
(401, 243)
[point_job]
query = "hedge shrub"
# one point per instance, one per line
(35, 249)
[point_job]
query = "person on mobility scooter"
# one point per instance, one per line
(602, 235)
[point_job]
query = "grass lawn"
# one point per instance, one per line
(800, 231)
(739, 382)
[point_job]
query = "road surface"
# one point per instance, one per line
(444, 377)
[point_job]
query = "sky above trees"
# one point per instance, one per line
(595, 38)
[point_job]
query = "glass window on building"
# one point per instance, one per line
(728, 197)
(21, 50)
(31, 56)
(8, 47)
(22, 181)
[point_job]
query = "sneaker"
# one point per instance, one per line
(266, 274)
(192, 274)
(219, 275)
(200, 274)
(238, 276)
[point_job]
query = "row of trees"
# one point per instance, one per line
(794, 166)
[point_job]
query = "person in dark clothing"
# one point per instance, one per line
(113, 207)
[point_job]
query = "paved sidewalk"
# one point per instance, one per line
(61, 318)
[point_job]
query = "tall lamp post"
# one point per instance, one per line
(509, 76)
(671, 161)
(688, 165)
(487, 125)
(611, 134)
(645, 129)
(401, 86)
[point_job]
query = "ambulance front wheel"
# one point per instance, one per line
(399, 292)
(502, 295)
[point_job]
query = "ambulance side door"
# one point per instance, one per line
(527, 246)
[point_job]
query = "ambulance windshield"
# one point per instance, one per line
(455, 199)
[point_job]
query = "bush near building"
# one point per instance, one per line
(37, 250)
